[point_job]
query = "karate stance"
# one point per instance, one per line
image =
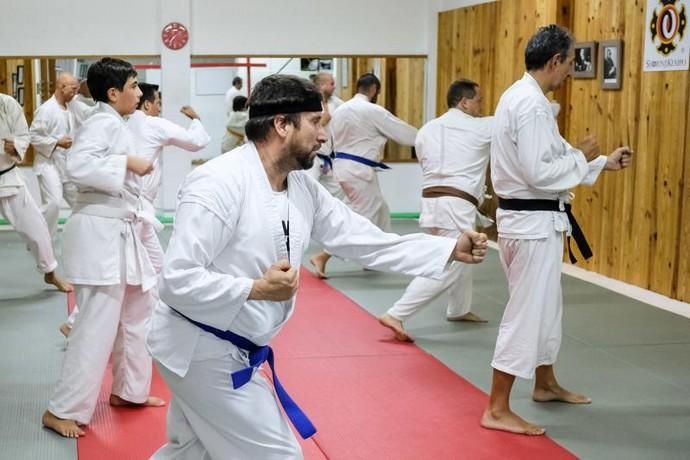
(52, 133)
(360, 131)
(150, 134)
(105, 259)
(453, 151)
(231, 272)
(533, 168)
(16, 203)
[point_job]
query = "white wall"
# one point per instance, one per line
(79, 27)
(302, 27)
(228, 27)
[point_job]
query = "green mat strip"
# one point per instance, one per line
(170, 219)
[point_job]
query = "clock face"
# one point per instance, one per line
(175, 35)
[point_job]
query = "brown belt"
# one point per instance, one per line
(442, 190)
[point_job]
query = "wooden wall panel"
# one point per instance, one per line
(638, 221)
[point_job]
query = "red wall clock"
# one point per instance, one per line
(175, 35)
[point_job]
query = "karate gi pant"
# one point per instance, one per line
(54, 188)
(365, 198)
(208, 419)
(22, 212)
(530, 332)
(457, 281)
(112, 319)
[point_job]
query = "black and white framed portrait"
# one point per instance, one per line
(611, 64)
(585, 62)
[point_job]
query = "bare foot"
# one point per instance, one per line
(63, 427)
(62, 286)
(396, 326)
(559, 394)
(65, 329)
(319, 263)
(511, 422)
(151, 401)
(468, 317)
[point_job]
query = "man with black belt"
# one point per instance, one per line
(453, 151)
(532, 168)
(16, 203)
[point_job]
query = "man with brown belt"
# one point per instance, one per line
(453, 151)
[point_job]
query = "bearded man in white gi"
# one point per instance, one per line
(105, 259)
(16, 203)
(453, 151)
(360, 130)
(151, 133)
(532, 168)
(322, 170)
(231, 271)
(52, 133)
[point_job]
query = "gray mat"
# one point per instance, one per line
(632, 359)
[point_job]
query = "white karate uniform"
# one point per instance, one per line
(453, 151)
(323, 171)
(16, 203)
(362, 128)
(51, 123)
(234, 131)
(111, 271)
(150, 135)
(208, 275)
(530, 160)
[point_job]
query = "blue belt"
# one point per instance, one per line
(362, 160)
(327, 161)
(257, 356)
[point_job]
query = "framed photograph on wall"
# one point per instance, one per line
(611, 64)
(309, 64)
(20, 95)
(585, 63)
(20, 74)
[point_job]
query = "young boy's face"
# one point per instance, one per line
(125, 102)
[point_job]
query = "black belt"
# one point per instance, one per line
(8, 169)
(514, 204)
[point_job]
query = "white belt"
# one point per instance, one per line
(102, 205)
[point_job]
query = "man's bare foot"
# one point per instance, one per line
(319, 263)
(65, 329)
(469, 317)
(62, 286)
(396, 326)
(559, 394)
(152, 401)
(63, 427)
(511, 422)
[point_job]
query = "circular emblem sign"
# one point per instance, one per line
(175, 35)
(668, 25)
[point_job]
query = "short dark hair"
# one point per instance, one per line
(547, 42)
(108, 73)
(239, 103)
(236, 80)
(459, 90)
(277, 90)
(148, 93)
(367, 80)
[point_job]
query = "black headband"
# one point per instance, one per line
(312, 104)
